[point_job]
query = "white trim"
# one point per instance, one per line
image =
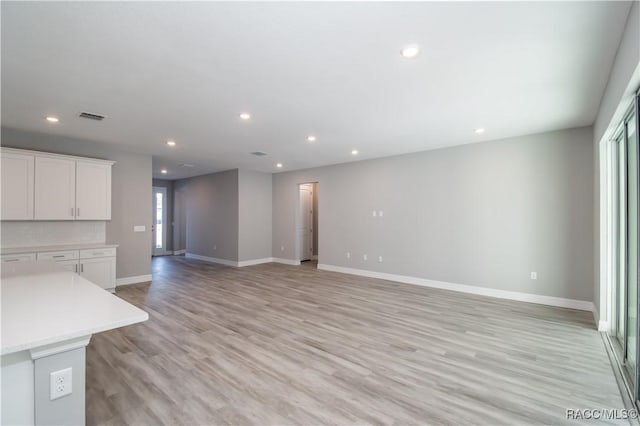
(179, 252)
(162, 253)
(211, 259)
(603, 326)
(583, 305)
(251, 262)
(133, 280)
(242, 263)
(56, 348)
(285, 261)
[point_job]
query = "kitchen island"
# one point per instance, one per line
(48, 316)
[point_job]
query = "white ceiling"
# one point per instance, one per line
(185, 71)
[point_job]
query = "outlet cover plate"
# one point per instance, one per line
(60, 382)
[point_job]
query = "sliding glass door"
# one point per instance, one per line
(625, 198)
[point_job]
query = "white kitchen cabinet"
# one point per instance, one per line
(69, 265)
(55, 188)
(17, 186)
(46, 186)
(100, 271)
(20, 257)
(93, 191)
(97, 264)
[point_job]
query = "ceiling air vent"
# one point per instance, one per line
(259, 153)
(91, 116)
(187, 165)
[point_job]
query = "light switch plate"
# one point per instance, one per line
(139, 228)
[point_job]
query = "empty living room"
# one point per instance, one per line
(320, 213)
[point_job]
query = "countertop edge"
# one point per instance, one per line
(79, 333)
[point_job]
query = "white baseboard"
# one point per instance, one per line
(285, 261)
(251, 262)
(243, 262)
(211, 259)
(603, 326)
(583, 305)
(177, 252)
(133, 280)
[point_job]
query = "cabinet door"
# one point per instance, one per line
(17, 186)
(93, 191)
(55, 189)
(69, 265)
(100, 271)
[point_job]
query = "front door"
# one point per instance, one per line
(158, 227)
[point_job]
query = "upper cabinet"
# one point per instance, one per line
(43, 186)
(93, 191)
(17, 186)
(55, 189)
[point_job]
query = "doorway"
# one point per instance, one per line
(307, 229)
(159, 220)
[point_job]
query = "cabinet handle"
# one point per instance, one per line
(76, 268)
(71, 211)
(58, 255)
(82, 267)
(11, 260)
(78, 211)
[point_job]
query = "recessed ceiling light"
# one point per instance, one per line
(479, 131)
(171, 143)
(279, 165)
(354, 152)
(163, 171)
(410, 51)
(51, 119)
(245, 116)
(311, 138)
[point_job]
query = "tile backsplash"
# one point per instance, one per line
(37, 233)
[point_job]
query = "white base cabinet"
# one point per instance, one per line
(97, 265)
(100, 271)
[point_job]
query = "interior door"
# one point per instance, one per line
(158, 227)
(305, 230)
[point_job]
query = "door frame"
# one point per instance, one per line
(298, 219)
(154, 250)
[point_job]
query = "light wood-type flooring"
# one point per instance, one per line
(277, 345)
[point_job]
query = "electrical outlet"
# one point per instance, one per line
(348, 255)
(380, 213)
(379, 258)
(281, 248)
(215, 247)
(534, 275)
(60, 383)
(364, 257)
(374, 213)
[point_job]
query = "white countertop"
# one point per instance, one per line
(40, 249)
(44, 304)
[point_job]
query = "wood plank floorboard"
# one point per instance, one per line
(290, 345)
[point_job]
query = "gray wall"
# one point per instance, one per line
(210, 205)
(623, 81)
(254, 209)
(484, 214)
(130, 196)
(168, 184)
